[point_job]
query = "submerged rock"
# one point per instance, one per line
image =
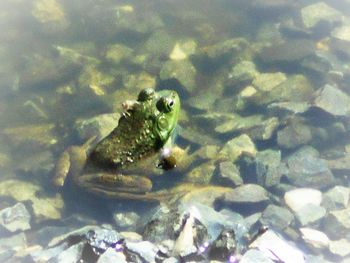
(229, 174)
(118, 53)
(295, 134)
(336, 223)
(340, 247)
(15, 218)
(276, 217)
(300, 197)
(111, 256)
(243, 71)
(247, 193)
(310, 214)
(10, 245)
(183, 49)
(238, 146)
(254, 255)
(336, 198)
(268, 81)
(315, 239)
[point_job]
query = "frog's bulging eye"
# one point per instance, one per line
(165, 104)
(146, 94)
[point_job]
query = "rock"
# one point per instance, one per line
(276, 217)
(44, 208)
(267, 167)
(315, 239)
(317, 63)
(181, 70)
(202, 174)
(267, 81)
(131, 236)
(73, 253)
(319, 12)
(307, 170)
(247, 193)
(111, 256)
(95, 81)
(100, 125)
(287, 52)
(342, 33)
(138, 81)
(229, 174)
(286, 108)
(265, 130)
(336, 198)
(160, 43)
(226, 49)
(300, 197)
(336, 223)
(203, 101)
(243, 71)
(118, 53)
(184, 49)
(237, 147)
(126, 219)
(223, 246)
(295, 134)
(340, 247)
(144, 249)
(10, 245)
(333, 101)
(310, 214)
(41, 163)
(254, 255)
(15, 218)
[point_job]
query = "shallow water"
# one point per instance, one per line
(64, 61)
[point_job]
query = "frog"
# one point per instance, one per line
(115, 166)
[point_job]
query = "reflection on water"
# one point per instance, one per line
(263, 136)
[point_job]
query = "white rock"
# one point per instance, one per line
(340, 247)
(342, 33)
(315, 238)
(315, 13)
(297, 198)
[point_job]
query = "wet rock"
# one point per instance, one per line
(238, 146)
(247, 193)
(41, 163)
(183, 49)
(310, 214)
(118, 53)
(288, 52)
(315, 239)
(10, 245)
(270, 8)
(317, 63)
(95, 81)
(227, 48)
(229, 174)
(40, 135)
(160, 43)
(111, 256)
(313, 15)
(340, 247)
(100, 125)
(342, 33)
(203, 101)
(145, 250)
(34, 110)
(125, 219)
(223, 246)
(300, 197)
(307, 170)
(181, 70)
(15, 218)
(333, 101)
(295, 134)
(336, 223)
(44, 208)
(285, 108)
(264, 130)
(73, 253)
(137, 82)
(336, 198)
(267, 167)
(276, 217)
(201, 174)
(243, 71)
(340, 164)
(268, 81)
(254, 255)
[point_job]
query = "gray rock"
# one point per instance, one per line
(317, 63)
(319, 12)
(255, 256)
(333, 101)
(229, 174)
(72, 254)
(117, 53)
(268, 81)
(145, 249)
(310, 214)
(181, 70)
(111, 256)
(307, 170)
(294, 134)
(46, 254)
(15, 218)
(160, 43)
(336, 223)
(227, 48)
(243, 71)
(315, 239)
(264, 130)
(10, 245)
(286, 108)
(336, 198)
(342, 33)
(267, 167)
(276, 217)
(125, 219)
(37, 163)
(237, 147)
(247, 193)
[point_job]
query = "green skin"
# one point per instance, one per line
(112, 168)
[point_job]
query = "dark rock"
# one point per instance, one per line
(317, 63)
(229, 174)
(277, 217)
(310, 214)
(336, 223)
(37, 163)
(295, 134)
(307, 170)
(336, 198)
(267, 167)
(223, 246)
(15, 218)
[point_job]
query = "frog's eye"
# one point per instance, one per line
(165, 104)
(146, 94)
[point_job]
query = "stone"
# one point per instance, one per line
(118, 53)
(243, 71)
(310, 214)
(340, 247)
(300, 197)
(286, 108)
(15, 218)
(201, 174)
(237, 147)
(223, 246)
(276, 217)
(294, 134)
(254, 255)
(333, 100)
(44, 208)
(160, 43)
(229, 174)
(247, 193)
(336, 198)
(342, 33)
(319, 12)
(93, 80)
(181, 70)
(41, 163)
(183, 49)
(268, 81)
(315, 239)
(126, 219)
(267, 167)
(73, 253)
(185, 242)
(111, 256)
(307, 170)
(227, 48)
(265, 130)
(145, 249)
(336, 223)
(10, 245)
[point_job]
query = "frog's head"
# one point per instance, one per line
(168, 105)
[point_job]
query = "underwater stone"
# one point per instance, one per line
(92, 76)
(313, 14)
(111, 256)
(229, 174)
(183, 49)
(247, 193)
(10, 245)
(315, 239)
(267, 167)
(40, 163)
(181, 70)
(159, 44)
(15, 218)
(201, 174)
(336, 223)
(333, 101)
(342, 33)
(294, 134)
(276, 217)
(300, 197)
(254, 255)
(228, 48)
(310, 214)
(73, 253)
(243, 71)
(117, 53)
(336, 198)
(125, 219)
(268, 81)
(145, 249)
(340, 247)
(238, 146)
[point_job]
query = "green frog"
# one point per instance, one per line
(117, 165)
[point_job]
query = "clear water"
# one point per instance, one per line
(46, 46)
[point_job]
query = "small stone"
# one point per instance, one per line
(276, 217)
(267, 167)
(342, 33)
(298, 198)
(293, 135)
(15, 218)
(182, 50)
(229, 174)
(248, 92)
(73, 253)
(340, 247)
(254, 255)
(111, 256)
(126, 219)
(336, 198)
(268, 81)
(310, 214)
(145, 249)
(238, 146)
(117, 53)
(247, 193)
(243, 71)
(336, 223)
(315, 239)
(201, 174)
(131, 236)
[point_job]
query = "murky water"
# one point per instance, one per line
(264, 89)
